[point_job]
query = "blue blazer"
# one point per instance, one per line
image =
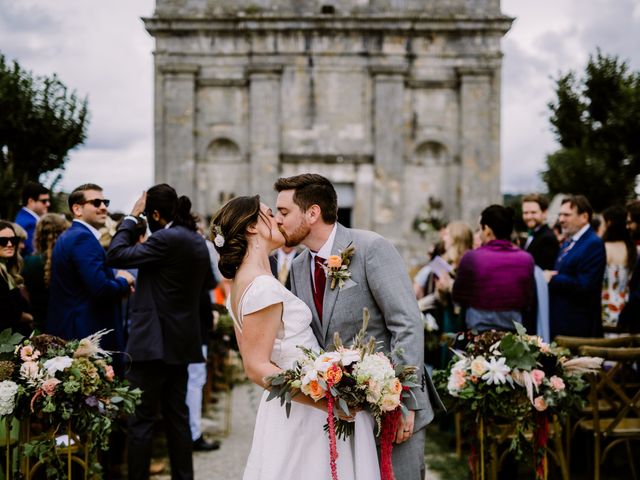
(28, 222)
(575, 293)
(84, 295)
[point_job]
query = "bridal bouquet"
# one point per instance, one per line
(61, 387)
(514, 379)
(351, 378)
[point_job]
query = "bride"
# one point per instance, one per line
(270, 322)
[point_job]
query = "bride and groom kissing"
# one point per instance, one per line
(271, 322)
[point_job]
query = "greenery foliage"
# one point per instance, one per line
(595, 120)
(40, 122)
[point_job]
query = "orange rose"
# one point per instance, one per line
(334, 261)
(315, 390)
(396, 386)
(333, 374)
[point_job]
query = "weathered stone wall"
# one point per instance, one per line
(393, 100)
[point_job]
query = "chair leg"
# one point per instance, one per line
(631, 460)
(561, 459)
(596, 457)
(458, 427)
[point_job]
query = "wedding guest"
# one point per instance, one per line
(37, 267)
(575, 284)
(437, 302)
(633, 221)
(629, 320)
(84, 294)
(541, 243)
(165, 327)
(35, 203)
(495, 282)
(14, 308)
(621, 258)
(280, 262)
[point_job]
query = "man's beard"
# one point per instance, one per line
(297, 236)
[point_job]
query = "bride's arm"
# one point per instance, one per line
(259, 330)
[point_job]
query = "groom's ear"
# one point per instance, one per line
(313, 213)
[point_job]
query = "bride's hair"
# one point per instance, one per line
(230, 225)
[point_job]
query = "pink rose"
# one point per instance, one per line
(540, 404)
(537, 376)
(49, 386)
(29, 354)
(557, 383)
(109, 374)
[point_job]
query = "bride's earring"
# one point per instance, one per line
(256, 245)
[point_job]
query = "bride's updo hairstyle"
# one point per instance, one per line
(228, 232)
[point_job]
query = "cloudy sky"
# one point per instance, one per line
(102, 50)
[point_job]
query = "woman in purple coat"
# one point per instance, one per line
(495, 282)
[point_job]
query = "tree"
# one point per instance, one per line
(595, 119)
(40, 122)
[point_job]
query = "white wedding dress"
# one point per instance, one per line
(297, 447)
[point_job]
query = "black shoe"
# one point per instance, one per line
(201, 445)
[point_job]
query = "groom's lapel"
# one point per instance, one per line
(305, 291)
(343, 238)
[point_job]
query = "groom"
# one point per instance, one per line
(307, 214)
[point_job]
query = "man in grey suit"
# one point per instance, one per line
(307, 214)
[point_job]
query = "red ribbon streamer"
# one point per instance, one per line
(333, 449)
(389, 429)
(540, 440)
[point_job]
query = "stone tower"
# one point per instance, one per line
(395, 101)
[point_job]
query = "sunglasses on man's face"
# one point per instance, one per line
(44, 200)
(96, 202)
(4, 241)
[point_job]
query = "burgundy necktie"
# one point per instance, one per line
(319, 281)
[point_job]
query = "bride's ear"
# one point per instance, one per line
(252, 229)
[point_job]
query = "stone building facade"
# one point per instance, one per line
(395, 101)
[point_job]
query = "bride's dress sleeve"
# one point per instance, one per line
(264, 292)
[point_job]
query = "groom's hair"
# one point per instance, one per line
(312, 189)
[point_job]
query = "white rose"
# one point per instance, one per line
(57, 364)
(478, 366)
(390, 402)
(349, 356)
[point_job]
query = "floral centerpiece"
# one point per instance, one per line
(62, 386)
(514, 379)
(351, 378)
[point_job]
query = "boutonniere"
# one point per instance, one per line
(337, 267)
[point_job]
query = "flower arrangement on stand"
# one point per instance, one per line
(515, 379)
(351, 378)
(61, 388)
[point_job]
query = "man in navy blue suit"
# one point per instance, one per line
(164, 337)
(84, 293)
(575, 286)
(35, 203)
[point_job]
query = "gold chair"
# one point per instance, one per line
(618, 389)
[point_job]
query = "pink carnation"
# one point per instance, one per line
(29, 354)
(540, 404)
(537, 376)
(49, 386)
(557, 383)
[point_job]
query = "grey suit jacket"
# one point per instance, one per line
(380, 283)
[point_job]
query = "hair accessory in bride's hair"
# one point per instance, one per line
(219, 238)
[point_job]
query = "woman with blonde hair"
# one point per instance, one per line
(14, 308)
(37, 267)
(436, 304)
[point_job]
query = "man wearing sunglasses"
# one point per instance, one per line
(35, 203)
(84, 293)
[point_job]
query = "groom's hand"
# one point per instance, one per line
(405, 427)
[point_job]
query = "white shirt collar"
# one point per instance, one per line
(579, 233)
(93, 230)
(32, 213)
(168, 225)
(325, 250)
